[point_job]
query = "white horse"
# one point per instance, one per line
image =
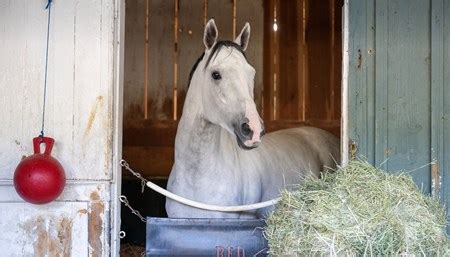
(219, 156)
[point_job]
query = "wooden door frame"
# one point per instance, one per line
(117, 116)
(344, 91)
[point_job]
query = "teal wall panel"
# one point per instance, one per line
(443, 73)
(399, 88)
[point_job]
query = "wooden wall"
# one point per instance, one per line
(398, 89)
(298, 67)
(80, 115)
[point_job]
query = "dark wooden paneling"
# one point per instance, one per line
(133, 99)
(288, 30)
(303, 60)
(271, 39)
(318, 37)
(150, 161)
(161, 59)
(222, 12)
(190, 44)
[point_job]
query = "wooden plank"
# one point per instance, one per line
(271, 68)
(93, 36)
(381, 80)
(445, 164)
(74, 191)
(369, 66)
(41, 232)
(408, 93)
(22, 65)
(288, 61)
(159, 134)
(161, 57)
(134, 60)
(336, 58)
(222, 12)
(79, 96)
(91, 200)
(437, 93)
(319, 61)
(253, 12)
(117, 127)
(346, 120)
(190, 44)
(150, 161)
(357, 105)
(302, 17)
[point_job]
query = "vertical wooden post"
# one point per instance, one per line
(175, 63)
(288, 78)
(302, 60)
(234, 19)
(147, 11)
(271, 60)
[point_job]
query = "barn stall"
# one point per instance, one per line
(298, 79)
(394, 87)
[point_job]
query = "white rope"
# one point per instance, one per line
(210, 207)
(198, 205)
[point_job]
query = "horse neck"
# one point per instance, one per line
(200, 144)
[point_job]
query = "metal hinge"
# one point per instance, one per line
(352, 149)
(435, 179)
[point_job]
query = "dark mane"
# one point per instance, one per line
(194, 68)
(216, 48)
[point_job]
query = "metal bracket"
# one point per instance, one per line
(352, 149)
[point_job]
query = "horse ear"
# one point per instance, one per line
(243, 37)
(210, 34)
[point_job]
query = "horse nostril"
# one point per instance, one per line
(245, 128)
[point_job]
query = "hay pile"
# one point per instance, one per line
(358, 210)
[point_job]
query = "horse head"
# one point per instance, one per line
(226, 83)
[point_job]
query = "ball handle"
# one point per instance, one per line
(48, 141)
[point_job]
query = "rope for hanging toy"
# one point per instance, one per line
(49, 7)
(195, 204)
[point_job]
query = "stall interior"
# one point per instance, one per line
(295, 47)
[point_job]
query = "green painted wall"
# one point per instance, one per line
(399, 87)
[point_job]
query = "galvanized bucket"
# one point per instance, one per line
(205, 237)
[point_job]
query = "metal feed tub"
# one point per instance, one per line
(205, 237)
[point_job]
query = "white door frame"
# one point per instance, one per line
(119, 40)
(344, 91)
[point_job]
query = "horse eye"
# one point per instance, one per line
(216, 75)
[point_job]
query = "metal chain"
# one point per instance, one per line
(124, 200)
(144, 181)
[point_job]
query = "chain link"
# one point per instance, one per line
(144, 181)
(124, 200)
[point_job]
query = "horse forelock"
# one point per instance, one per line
(214, 51)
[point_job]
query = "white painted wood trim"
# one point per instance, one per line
(119, 40)
(345, 74)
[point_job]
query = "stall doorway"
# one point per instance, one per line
(295, 47)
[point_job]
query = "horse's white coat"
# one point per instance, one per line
(210, 167)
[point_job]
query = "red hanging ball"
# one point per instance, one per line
(40, 178)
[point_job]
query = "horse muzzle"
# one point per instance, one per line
(247, 136)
